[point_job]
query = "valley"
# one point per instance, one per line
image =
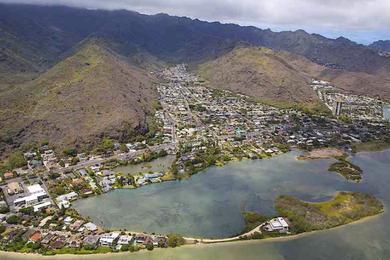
(125, 134)
(201, 128)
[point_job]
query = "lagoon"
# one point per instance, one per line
(210, 204)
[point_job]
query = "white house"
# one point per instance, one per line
(91, 226)
(109, 238)
(277, 224)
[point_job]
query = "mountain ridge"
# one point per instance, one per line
(85, 97)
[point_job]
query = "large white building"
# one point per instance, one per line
(36, 195)
(277, 224)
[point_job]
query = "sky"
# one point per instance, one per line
(363, 21)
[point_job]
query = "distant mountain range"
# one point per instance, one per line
(75, 75)
(381, 45)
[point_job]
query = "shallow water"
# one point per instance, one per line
(386, 112)
(210, 203)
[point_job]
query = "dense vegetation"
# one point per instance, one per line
(344, 208)
(175, 240)
(347, 169)
(252, 220)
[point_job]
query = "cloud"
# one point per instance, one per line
(330, 16)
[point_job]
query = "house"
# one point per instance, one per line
(125, 240)
(95, 168)
(160, 241)
(47, 239)
(68, 220)
(34, 164)
(109, 238)
(26, 236)
(30, 200)
(91, 227)
(36, 236)
(58, 242)
(76, 225)
(91, 240)
(44, 221)
(143, 239)
(35, 189)
(41, 206)
(278, 224)
(14, 188)
(77, 182)
(63, 201)
(83, 172)
(74, 241)
(8, 175)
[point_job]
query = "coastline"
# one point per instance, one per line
(17, 255)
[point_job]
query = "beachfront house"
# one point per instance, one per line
(278, 224)
(108, 239)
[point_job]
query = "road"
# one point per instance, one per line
(222, 240)
(128, 156)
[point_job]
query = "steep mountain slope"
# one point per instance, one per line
(381, 45)
(55, 30)
(90, 94)
(263, 73)
(340, 53)
(360, 83)
(18, 62)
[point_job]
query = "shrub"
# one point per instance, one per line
(175, 240)
(27, 211)
(125, 248)
(70, 152)
(149, 247)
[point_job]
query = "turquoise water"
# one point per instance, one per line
(210, 203)
(364, 240)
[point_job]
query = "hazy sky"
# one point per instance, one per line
(360, 20)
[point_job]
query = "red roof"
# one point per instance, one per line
(36, 236)
(8, 175)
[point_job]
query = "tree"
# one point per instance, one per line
(107, 144)
(175, 240)
(36, 245)
(62, 163)
(16, 160)
(72, 152)
(2, 229)
(74, 161)
(4, 210)
(123, 148)
(13, 220)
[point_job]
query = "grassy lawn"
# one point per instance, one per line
(344, 208)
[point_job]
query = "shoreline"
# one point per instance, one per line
(17, 255)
